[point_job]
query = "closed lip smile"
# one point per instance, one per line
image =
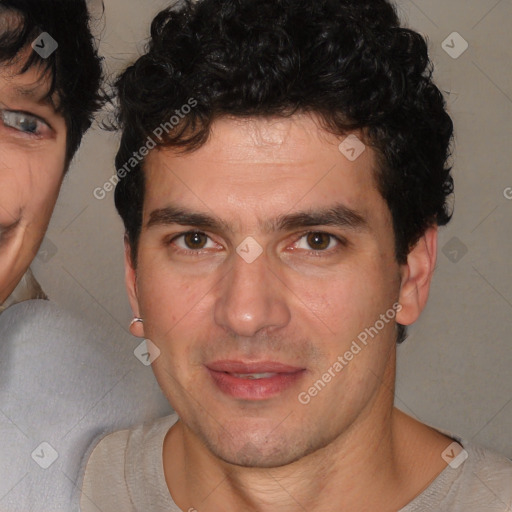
(254, 380)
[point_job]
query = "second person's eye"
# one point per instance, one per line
(24, 122)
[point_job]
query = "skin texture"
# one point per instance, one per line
(32, 163)
(348, 448)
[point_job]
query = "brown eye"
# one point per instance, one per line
(318, 241)
(195, 240)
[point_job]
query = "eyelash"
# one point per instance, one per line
(317, 253)
(42, 125)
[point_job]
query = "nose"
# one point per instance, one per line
(251, 298)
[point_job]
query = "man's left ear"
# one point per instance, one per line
(417, 276)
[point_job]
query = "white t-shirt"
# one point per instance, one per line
(63, 383)
(125, 473)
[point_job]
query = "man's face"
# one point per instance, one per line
(327, 272)
(32, 161)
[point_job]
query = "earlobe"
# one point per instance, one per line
(137, 327)
(417, 276)
(130, 274)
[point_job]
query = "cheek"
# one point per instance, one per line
(168, 301)
(29, 187)
(347, 299)
(350, 306)
(13, 196)
(174, 320)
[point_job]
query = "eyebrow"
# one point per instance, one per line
(338, 215)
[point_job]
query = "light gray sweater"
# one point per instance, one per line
(125, 473)
(62, 384)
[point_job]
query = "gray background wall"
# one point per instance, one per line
(454, 369)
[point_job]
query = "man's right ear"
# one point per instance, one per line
(130, 277)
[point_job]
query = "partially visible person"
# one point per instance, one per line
(46, 104)
(62, 382)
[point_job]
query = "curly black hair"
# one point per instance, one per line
(348, 61)
(75, 67)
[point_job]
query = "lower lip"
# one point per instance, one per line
(254, 389)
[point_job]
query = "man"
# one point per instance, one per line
(61, 383)
(283, 171)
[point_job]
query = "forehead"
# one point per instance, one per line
(261, 164)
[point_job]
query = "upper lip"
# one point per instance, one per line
(231, 366)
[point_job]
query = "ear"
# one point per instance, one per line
(130, 277)
(416, 277)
